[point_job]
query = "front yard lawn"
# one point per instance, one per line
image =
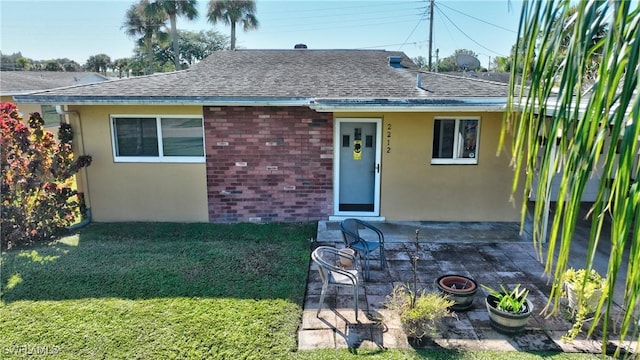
(157, 291)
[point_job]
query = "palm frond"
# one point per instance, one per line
(578, 119)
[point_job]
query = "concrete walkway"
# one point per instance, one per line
(490, 253)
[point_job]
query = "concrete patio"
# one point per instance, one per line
(490, 253)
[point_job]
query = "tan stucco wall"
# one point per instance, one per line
(413, 189)
(137, 191)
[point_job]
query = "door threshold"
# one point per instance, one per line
(359, 217)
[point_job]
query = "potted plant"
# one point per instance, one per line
(508, 310)
(461, 290)
(583, 291)
(420, 312)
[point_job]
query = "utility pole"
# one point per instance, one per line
(430, 31)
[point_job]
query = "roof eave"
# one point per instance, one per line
(152, 100)
(408, 105)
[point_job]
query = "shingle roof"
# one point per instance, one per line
(285, 74)
(23, 82)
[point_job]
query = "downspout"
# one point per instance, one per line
(83, 171)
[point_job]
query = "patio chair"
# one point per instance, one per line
(332, 274)
(353, 239)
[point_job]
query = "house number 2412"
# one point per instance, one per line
(388, 138)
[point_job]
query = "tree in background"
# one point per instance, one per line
(173, 9)
(558, 39)
(145, 25)
(52, 65)
(98, 63)
(449, 64)
(37, 173)
(502, 63)
(198, 45)
(121, 66)
(23, 63)
(232, 12)
(421, 62)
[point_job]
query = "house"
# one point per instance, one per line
(27, 82)
(291, 135)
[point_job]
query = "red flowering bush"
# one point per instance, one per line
(37, 177)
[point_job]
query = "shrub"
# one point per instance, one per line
(423, 317)
(38, 199)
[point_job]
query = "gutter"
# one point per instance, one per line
(410, 105)
(164, 100)
(86, 221)
(84, 176)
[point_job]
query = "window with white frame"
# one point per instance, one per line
(157, 138)
(455, 141)
(50, 115)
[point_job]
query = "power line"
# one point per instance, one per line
(382, 46)
(475, 18)
(345, 25)
(465, 34)
(412, 31)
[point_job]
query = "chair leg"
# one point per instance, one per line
(355, 300)
(324, 290)
(366, 266)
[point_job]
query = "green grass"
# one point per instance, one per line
(156, 291)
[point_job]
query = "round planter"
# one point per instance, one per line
(591, 302)
(507, 322)
(461, 290)
(345, 261)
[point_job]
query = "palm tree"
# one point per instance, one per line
(173, 9)
(232, 12)
(143, 23)
(585, 115)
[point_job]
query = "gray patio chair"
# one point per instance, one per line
(331, 274)
(353, 239)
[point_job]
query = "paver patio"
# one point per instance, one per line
(490, 253)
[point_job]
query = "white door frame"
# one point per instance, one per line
(337, 140)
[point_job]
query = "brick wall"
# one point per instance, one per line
(268, 163)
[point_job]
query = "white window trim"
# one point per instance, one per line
(159, 158)
(456, 142)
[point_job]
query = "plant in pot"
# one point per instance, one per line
(583, 291)
(461, 290)
(508, 310)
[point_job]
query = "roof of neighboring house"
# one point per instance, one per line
(299, 76)
(25, 82)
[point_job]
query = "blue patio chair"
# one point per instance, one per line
(332, 274)
(353, 239)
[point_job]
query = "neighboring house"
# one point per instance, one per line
(291, 135)
(26, 82)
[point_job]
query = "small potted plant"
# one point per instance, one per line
(583, 291)
(508, 310)
(461, 290)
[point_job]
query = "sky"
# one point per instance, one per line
(50, 29)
